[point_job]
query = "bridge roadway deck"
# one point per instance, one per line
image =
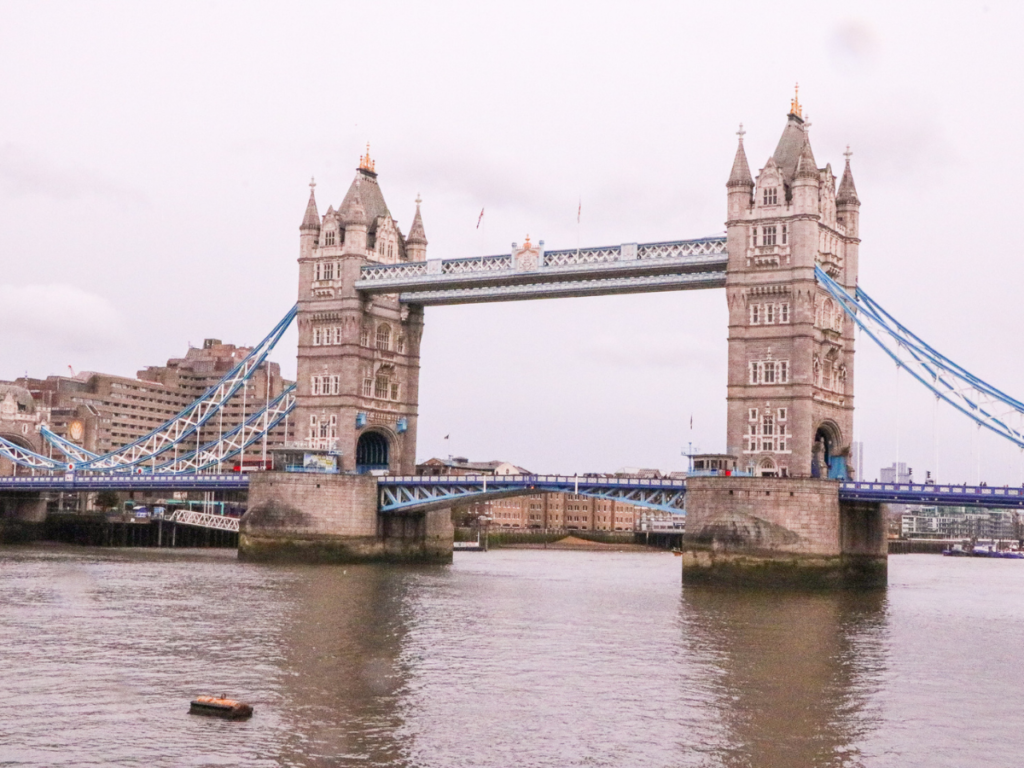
(629, 268)
(425, 492)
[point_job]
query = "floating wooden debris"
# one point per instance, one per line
(220, 707)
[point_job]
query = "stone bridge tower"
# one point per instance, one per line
(358, 358)
(790, 389)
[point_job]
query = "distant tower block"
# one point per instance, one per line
(790, 389)
(358, 358)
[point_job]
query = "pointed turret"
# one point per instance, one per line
(847, 194)
(806, 167)
(309, 229)
(848, 205)
(416, 242)
(416, 231)
(311, 221)
(740, 175)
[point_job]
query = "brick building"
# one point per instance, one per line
(560, 511)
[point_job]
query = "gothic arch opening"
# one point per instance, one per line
(825, 450)
(372, 452)
(767, 468)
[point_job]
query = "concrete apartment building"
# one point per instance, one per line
(961, 523)
(103, 412)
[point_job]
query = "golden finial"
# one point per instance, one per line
(418, 198)
(794, 105)
(312, 180)
(526, 245)
(365, 163)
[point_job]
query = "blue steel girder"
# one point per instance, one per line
(119, 481)
(983, 496)
(422, 493)
(628, 268)
(986, 405)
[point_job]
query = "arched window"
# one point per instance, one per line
(828, 314)
(384, 336)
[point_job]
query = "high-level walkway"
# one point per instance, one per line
(616, 269)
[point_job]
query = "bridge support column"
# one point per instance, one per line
(781, 532)
(326, 518)
(22, 517)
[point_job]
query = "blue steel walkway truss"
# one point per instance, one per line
(421, 493)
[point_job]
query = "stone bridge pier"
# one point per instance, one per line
(772, 532)
(333, 518)
(22, 516)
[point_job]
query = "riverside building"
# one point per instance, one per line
(102, 412)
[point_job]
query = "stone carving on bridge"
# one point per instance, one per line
(529, 257)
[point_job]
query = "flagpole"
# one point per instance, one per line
(579, 213)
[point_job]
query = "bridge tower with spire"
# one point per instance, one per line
(790, 386)
(356, 397)
(358, 356)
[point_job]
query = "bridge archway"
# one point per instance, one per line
(767, 468)
(827, 442)
(373, 452)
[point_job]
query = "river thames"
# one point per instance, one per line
(508, 658)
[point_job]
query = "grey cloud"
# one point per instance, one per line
(61, 316)
(23, 172)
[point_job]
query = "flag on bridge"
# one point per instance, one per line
(579, 211)
(479, 218)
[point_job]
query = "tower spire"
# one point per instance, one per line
(740, 175)
(417, 235)
(311, 221)
(847, 194)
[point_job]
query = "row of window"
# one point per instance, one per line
(326, 336)
(323, 428)
(753, 414)
(325, 270)
(830, 376)
(769, 314)
(767, 435)
(828, 315)
(326, 385)
(769, 372)
(381, 387)
(771, 196)
(770, 234)
(382, 338)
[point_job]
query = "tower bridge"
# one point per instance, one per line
(788, 264)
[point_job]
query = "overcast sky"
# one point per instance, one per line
(154, 161)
